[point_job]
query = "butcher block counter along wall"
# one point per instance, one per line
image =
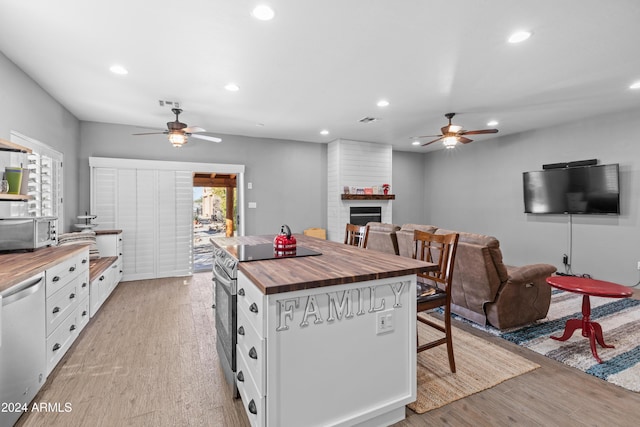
(327, 339)
(47, 297)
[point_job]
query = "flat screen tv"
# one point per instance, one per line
(573, 190)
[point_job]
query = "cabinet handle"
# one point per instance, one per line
(55, 278)
(84, 284)
(253, 353)
(84, 313)
(84, 260)
(241, 330)
(72, 296)
(253, 308)
(101, 278)
(72, 268)
(120, 254)
(56, 347)
(55, 310)
(240, 376)
(72, 328)
(252, 407)
(241, 292)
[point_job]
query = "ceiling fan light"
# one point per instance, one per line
(177, 139)
(450, 141)
(455, 128)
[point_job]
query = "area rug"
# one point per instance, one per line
(479, 364)
(620, 321)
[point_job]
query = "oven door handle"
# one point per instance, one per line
(221, 277)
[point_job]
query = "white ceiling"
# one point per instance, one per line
(324, 64)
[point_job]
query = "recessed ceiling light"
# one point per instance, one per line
(324, 132)
(636, 85)
(232, 87)
(383, 103)
(519, 36)
(118, 69)
(492, 123)
(260, 124)
(263, 12)
(416, 142)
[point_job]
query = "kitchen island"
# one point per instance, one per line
(327, 339)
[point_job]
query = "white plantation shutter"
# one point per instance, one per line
(104, 181)
(45, 178)
(153, 208)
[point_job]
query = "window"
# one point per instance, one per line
(45, 178)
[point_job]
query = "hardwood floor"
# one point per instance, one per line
(148, 358)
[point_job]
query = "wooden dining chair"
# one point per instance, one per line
(356, 235)
(434, 287)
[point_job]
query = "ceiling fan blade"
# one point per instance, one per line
(150, 133)
(478, 132)
(463, 140)
(193, 129)
(427, 136)
(431, 142)
(206, 137)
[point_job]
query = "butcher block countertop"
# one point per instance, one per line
(339, 264)
(18, 266)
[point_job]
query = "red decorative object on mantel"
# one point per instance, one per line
(385, 188)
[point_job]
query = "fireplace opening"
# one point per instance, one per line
(362, 215)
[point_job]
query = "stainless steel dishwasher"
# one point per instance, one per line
(23, 354)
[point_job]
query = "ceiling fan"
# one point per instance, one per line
(179, 132)
(452, 134)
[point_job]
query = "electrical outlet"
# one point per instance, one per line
(638, 265)
(565, 259)
(384, 322)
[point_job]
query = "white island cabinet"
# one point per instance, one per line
(336, 351)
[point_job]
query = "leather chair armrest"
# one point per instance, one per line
(530, 273)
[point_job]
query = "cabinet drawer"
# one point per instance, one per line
(82, 313)
(252, 301)
(60, 274)
(61, 304)
(253, 348)
(83, 284)
(60, 340)
(253, 401)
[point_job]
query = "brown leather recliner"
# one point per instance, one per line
(382, 237)
(484, 289)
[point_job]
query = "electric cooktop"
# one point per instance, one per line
(244, 253)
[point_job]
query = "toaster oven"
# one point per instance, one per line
(27, 233)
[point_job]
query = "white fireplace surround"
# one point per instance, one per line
(355, 164)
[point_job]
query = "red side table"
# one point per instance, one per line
(587, 287)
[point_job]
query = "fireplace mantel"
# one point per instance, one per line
(368, 196)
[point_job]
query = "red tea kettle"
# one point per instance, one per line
(284, 242)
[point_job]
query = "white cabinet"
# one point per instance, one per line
(67, 293)
(110, 244)
(251, 368)
(106, 277)
(153, 208)
(317, 357)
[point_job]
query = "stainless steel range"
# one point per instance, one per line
(225, 274)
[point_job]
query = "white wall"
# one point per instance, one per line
(355, 164)
(478, 188)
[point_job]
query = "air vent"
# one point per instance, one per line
(174, 104)
(368, 119)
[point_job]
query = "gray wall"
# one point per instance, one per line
(408, 180)
(478, 188)
(289, 177)
(27, 108)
